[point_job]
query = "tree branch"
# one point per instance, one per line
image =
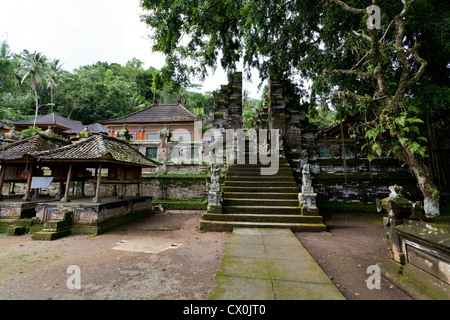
(348, 8)
(405, 81)
(366, 100)
(356, 72)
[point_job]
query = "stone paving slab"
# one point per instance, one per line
(270, 264)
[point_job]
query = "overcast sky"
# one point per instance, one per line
(82, 32)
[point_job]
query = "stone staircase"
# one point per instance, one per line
(252, 200)
(55, 229)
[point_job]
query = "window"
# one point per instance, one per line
(152, 153)
(133, 136)
(348, 152)
(324, 152)
(181, 135)
(152, 136)
(194, 153)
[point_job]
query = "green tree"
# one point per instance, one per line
(57, 76)
(376, 71)
(33, 66)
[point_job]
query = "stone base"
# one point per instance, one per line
(87, 217)
(418, 284)
(214, 209)
(309, 211)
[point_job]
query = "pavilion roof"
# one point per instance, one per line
(30, 146)
(51, 119)
(98, 148)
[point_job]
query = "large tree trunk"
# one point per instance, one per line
(424, 178)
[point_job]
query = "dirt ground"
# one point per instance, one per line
(165, 257)
(351, 244)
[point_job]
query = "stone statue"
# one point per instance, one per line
(307, 197)
(398, 208)
(215, 191)
(162, 152)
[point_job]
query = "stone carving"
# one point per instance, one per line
(12, 135)
(215, 191)
(308, 197)
(124, 134)
(398, 208)
(163, 152)
(85, 133)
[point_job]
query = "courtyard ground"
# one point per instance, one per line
(165, 257)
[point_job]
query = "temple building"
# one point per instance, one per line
(144, 126)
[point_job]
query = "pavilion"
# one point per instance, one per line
(98, 151)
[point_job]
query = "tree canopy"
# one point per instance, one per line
(30, 81)
(385, 73)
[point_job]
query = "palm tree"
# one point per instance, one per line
(57, 76)
(33, 66)
(5, 50)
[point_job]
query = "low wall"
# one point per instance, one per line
(90, 218)
(177, 190)
(364, 181)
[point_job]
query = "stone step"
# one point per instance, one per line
(228, 226)
(262, 209)
(55, 225)
(49, 235)
(256, 171)
(236, 177)
(260, 183)
(260, 202)
(55, 229)
(261, 195)
(260, 189)
(276, 218)
(281, 165)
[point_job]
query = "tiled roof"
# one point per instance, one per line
(98, 147)
(163, 113)
(92, 128)
(30, 146)
(51, 119)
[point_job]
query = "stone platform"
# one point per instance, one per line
(86, 217)
(49, 219)
(270, 264)
(13, 209)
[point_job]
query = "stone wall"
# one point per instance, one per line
(303, 144)
(171, 186)
(228, 104)
(363, 182)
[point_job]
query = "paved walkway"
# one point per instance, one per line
(270, 264)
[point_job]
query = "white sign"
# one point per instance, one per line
(41, 182)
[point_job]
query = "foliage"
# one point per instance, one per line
(87, 94)
(29, 132)
(381, 74)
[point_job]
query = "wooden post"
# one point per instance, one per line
(138, 190)
(120, 196)
(97, 188)
(120, 176)
(27, 197)
(2, 180)
(66, 193)
(82, 188)
(11, 188)
(60, 191)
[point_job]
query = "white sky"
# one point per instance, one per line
(82, 32)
